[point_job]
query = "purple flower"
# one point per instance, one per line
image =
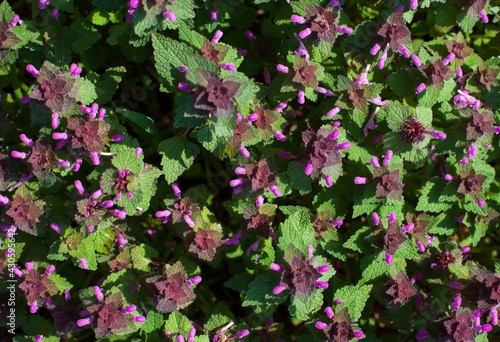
(401, 290)
(299, 274)
(340, 327)
(108, 316)
(171, 291)
(319, 23)
(37, 287)
(204, 243)
(24, 212)
(217, 95)
(53, 88)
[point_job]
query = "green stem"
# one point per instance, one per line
(15, 82)
(88, 280)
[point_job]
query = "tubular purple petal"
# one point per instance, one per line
(84, 321)
(278, 289)
(416, 60)
(309, 169)
(388, 258)
(343, 146)
(194, 281)
(251, 118)
(275, 191)
(249, 34)
(240, 170)
(420, 88)
(49, 270)
(129, 309)
(328, 180)
(217, 36)
(276, 267)
(282, 68)
(236, 182)
(413, 4)
(26, 140)
(387, 158)
(244, 151)
(360, 180)
(483, 17)
(374, 162)
(32, 70)
(4, 200)
(331, 113)
(259, 201)
(329, 312)
(320, 325)
(241, 333)
(375, 49)
(404, 51)
(383, 58)
(280, 107)
(301, 97)
(64, 163)
(305, 33)
(494, 315)
(189, 221)
(323, 269)
(297, 19)
(322, 284)
(214, 16)
(139, 319)
(17, 272)
(56, 228)
(177, 191)
(95, 158)
(83, 263)
(278, 135)
(17, 154)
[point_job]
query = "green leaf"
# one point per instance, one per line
(154, 321)
(260, 290)
(239, 282)
(404, 81)
(128, 160)
(373, 266)
(313, 303)
(108, 84)
(143, 124)
(429, 198)
(86, 251)
(82, 36)
(61, 283)
(446, 15)
(141, 256)
(215, 138)
(479, 230)
(83, 91)
(357, 241)
(178, 156)
(298, 230)
(170, 54)
(396, 113)
(298, 179)
(178, 324)
(354, 298)
(219, 317)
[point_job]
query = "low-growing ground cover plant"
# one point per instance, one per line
(262, 170)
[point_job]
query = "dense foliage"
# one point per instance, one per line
(260, 170)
